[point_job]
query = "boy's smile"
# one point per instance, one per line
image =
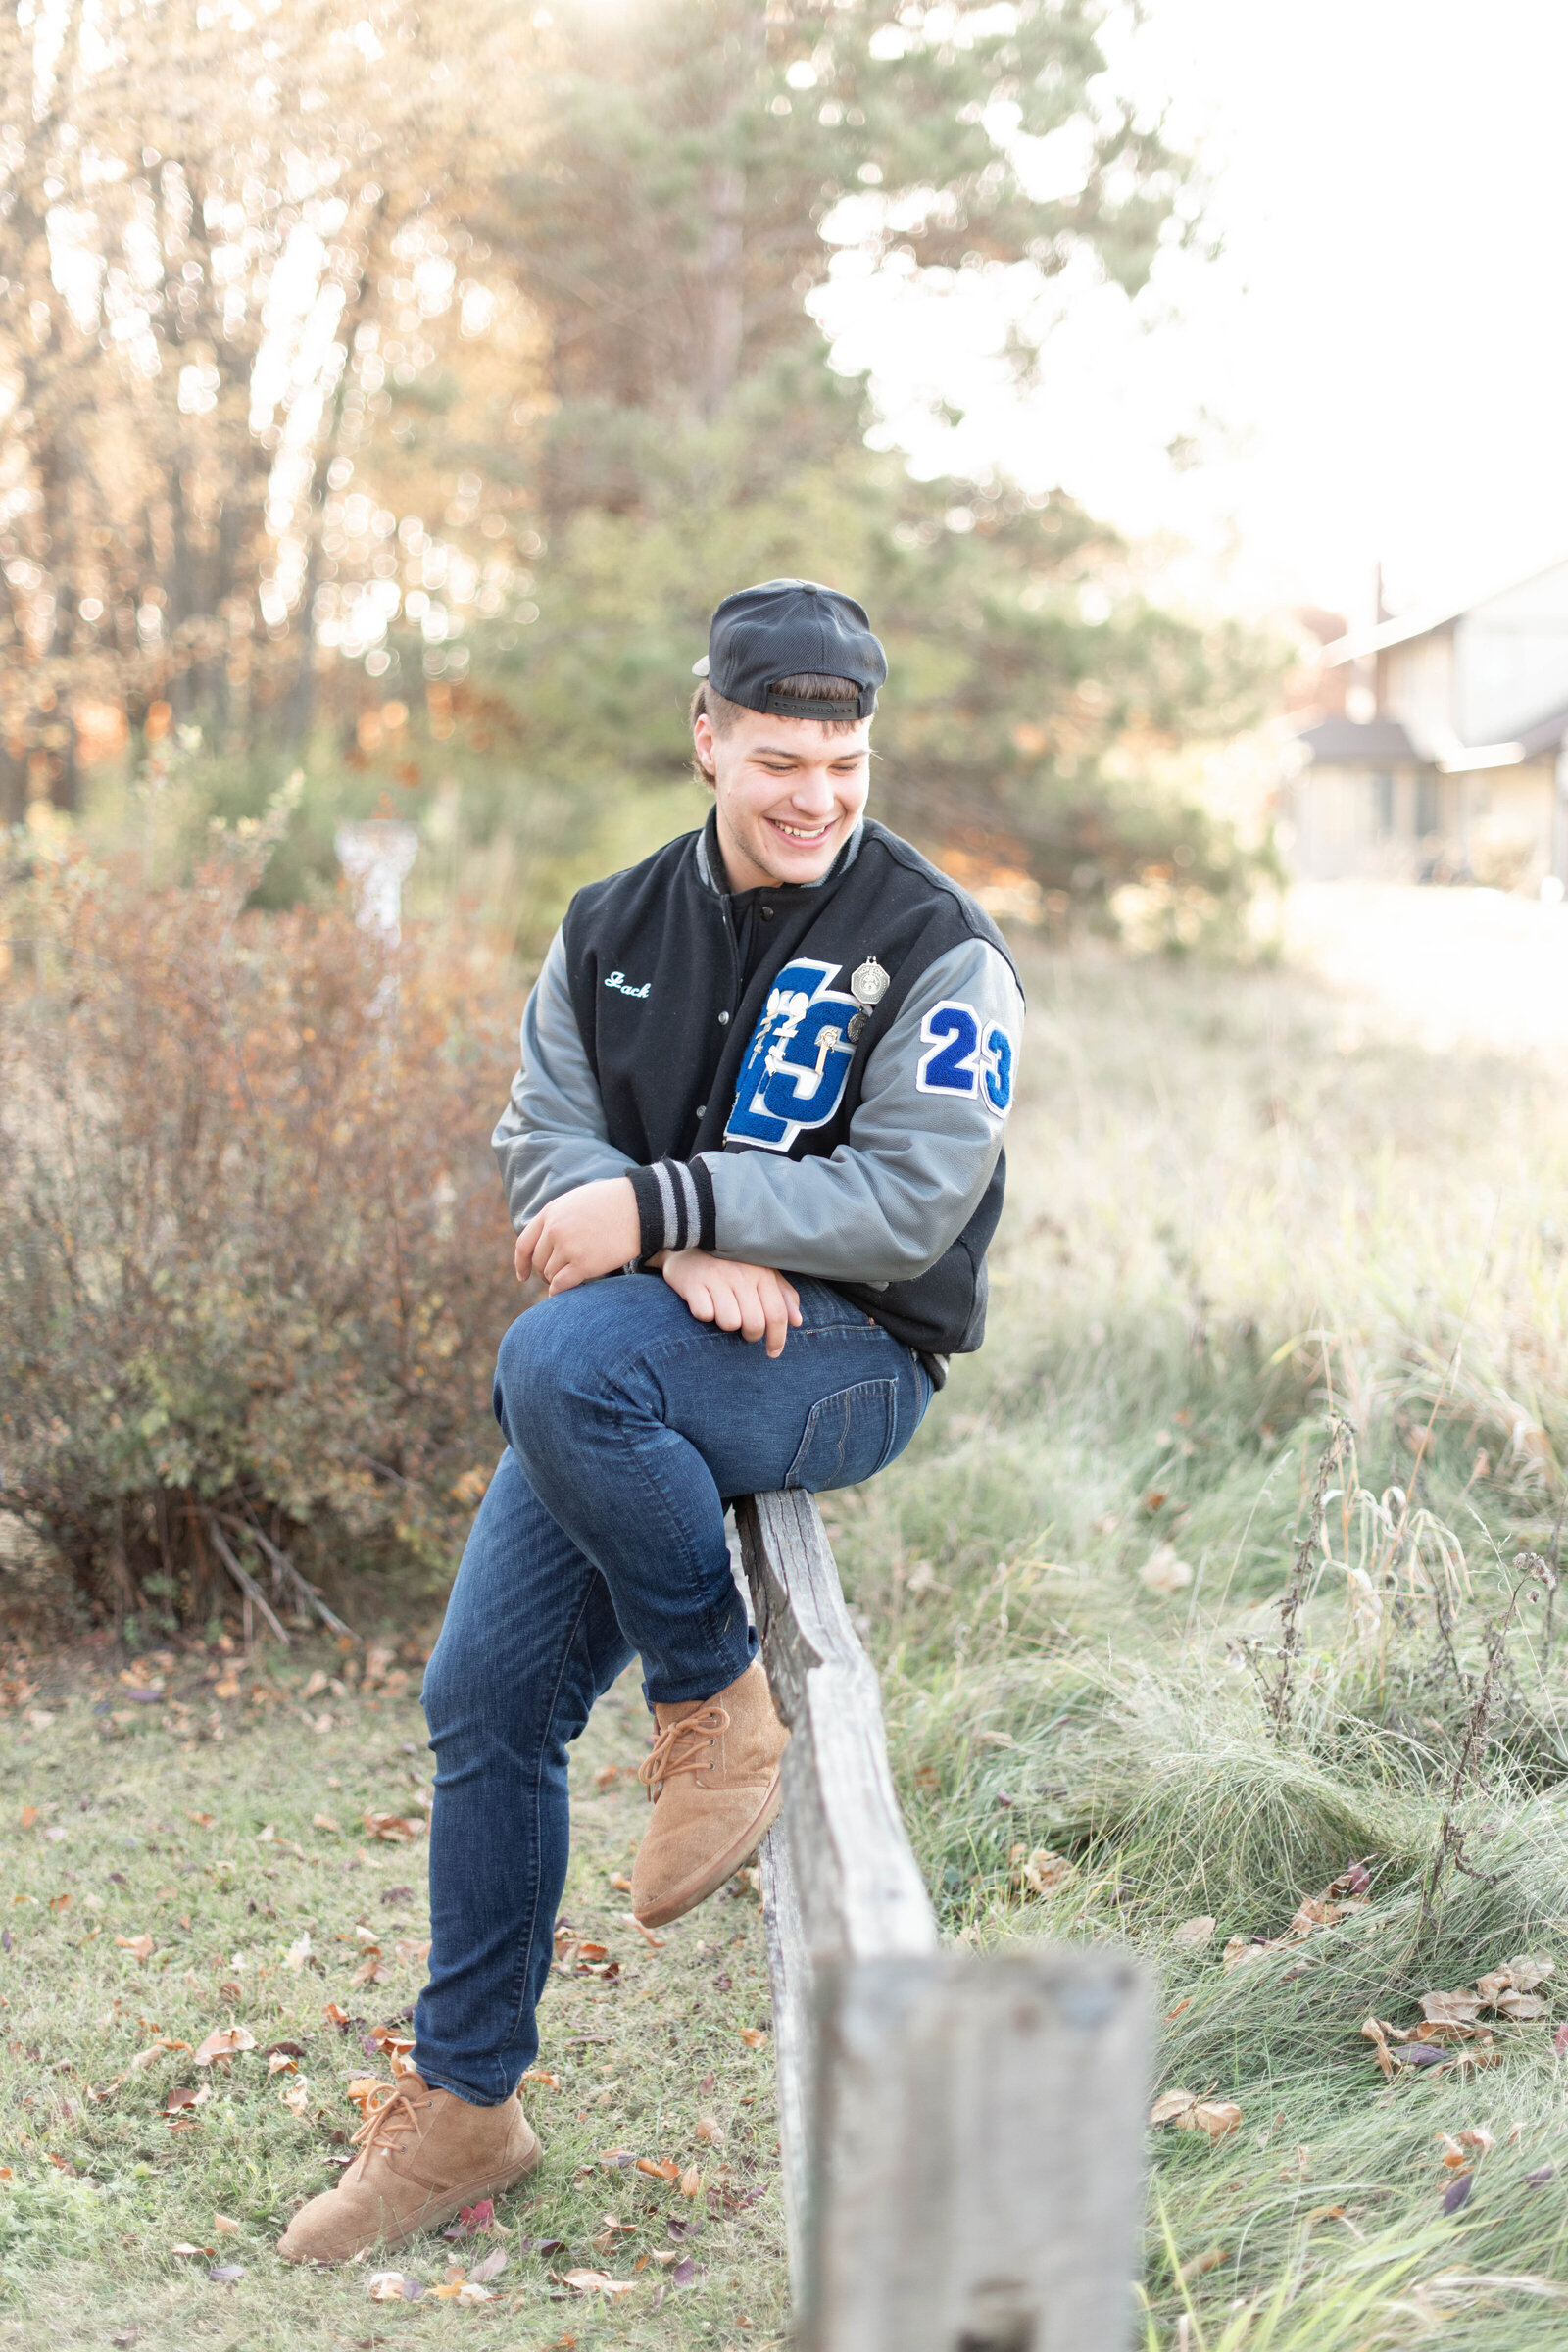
(787, 793)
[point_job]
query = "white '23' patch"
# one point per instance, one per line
(966, 1057)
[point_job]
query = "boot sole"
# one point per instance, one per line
(724, 1865)
(472, 2193)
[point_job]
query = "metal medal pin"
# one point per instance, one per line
(869, 983)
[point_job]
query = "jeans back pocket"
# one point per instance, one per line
(848, 1436)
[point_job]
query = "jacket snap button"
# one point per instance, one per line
(767, 914)
(701, 1109)
(723, 1020)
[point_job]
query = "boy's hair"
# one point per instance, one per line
(721, 713)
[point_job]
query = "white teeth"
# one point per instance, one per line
(795, 833)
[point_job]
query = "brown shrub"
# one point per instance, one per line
(254, 1260)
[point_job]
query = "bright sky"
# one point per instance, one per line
(1378, 363)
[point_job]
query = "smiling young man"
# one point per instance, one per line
(754, 1149)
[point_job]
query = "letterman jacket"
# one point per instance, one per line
(814, 1077)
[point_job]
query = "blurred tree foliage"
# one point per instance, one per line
(451, 367)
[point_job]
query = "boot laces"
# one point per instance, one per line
(386, 2119)
(682, 1748)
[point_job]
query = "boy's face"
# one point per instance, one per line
(787, 793)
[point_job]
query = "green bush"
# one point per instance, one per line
(253, 1261)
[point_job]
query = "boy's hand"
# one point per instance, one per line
(751, 1299)
(588, 1232)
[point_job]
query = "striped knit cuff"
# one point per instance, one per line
(676, 1206)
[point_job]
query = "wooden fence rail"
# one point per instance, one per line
(963, 2136)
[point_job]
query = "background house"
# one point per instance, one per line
(1433, 750)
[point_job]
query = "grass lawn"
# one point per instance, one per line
(1242, 1211)
(148, 1828)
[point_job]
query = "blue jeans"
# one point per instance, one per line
(629, 1426)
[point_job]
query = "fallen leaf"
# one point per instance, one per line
(607, 1776)
(392, 2287)
(684, 2274)
(542, 2081)
(184, 2249)
(372, 1970)
(1529, 1969)
(1194, 1932)
(183, 2096)
(410, 1948)
(325, 1821)
(1457, 2191)
(1215, 2118)
(709, 2129)
(1540, 2177)
(1378, 2036)
(1171, 2106)
(396, 1828)
(279, 2063)
(1451, 2008)
(140, 1947)
(491, 2267)
(154, 2051)
(203, 1821)
(1163, 1573)
(1521, 2007)
(753, 2037)
(691, 2181)
(336, 2015)
(225, 2042)
(1042, 1872)
(473, 2221)
(388, 2038)
(225, 2227)
(30, 1814)
(296, 2097)
(620, 1882)
(662, 2168)
(299, 1951)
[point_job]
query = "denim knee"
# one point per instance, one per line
(461, 1680)
(555, 1361)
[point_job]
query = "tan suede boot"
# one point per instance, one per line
(714, 1778)
(422, 2154)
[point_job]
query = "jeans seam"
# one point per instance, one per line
(519, 2000)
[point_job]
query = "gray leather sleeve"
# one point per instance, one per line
(552, 1133)
(886, 1205)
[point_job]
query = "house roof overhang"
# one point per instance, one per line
(1378, 743)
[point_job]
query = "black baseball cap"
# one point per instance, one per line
(787, 630)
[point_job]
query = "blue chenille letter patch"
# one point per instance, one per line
(798, 1062)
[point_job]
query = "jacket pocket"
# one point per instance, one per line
(848, 1436)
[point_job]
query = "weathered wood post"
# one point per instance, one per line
(963, 2136)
